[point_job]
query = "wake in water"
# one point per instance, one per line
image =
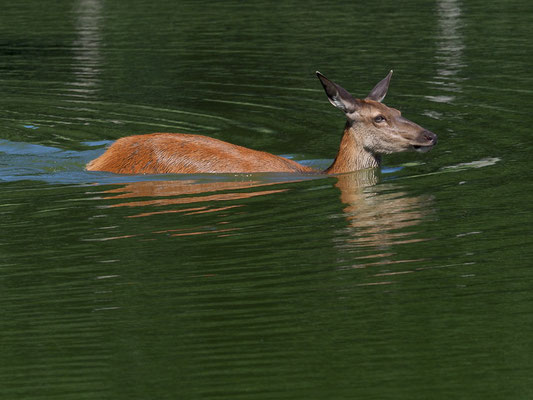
(24, 161)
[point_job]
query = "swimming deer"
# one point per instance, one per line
(371, 129)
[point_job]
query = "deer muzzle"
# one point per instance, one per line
(427, 140)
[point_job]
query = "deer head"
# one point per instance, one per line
(372, 128)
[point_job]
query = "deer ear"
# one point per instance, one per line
(380, 90)
(337, 95)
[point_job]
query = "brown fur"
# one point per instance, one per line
(160, 153)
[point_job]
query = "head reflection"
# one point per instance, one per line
(379, 218)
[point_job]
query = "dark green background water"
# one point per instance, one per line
(412, 283)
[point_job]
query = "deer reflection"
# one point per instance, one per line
(188, 193)
(379, 216)
(163, 193)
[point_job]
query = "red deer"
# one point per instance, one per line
(371, 129)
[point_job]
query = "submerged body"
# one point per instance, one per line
(371, 129)
(161, 153)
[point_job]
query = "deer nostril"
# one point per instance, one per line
(429, 136)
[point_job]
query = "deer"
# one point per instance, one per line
(371, 129)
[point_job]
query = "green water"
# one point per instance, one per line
(413, 282)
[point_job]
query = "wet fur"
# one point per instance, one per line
(160, 153)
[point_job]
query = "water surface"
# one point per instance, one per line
(410, 282)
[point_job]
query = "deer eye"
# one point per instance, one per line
(379, 118)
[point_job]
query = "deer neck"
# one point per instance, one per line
(352, 155)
